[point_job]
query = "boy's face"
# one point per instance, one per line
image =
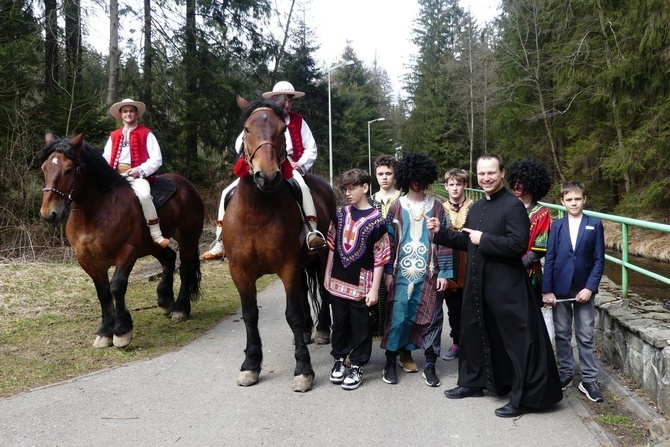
(128, 114)
(456, 189)
(574, 202)
(385, 177)
(357, 195)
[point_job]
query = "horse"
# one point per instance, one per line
(106, 227)
(262, 234)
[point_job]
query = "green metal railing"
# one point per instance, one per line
(625, 222)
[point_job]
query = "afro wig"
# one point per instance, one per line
(532, 174)
(415, 167)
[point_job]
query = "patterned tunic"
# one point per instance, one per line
(416, 262)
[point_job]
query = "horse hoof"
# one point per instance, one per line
(302, 383)
(322, 338)
(179, 317)
(166, 310)
(121, 341)
(247, 378)
(102, 342)
(307, 337)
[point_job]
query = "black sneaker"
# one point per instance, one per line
(353, 379)
(566, 381)
(338, 372)
(591, 390)
(429, 375)
(390, 375)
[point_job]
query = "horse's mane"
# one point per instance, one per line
(246, 113)
(98, 169)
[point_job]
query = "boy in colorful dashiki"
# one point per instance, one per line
(358, 250)
(384, 167)
(418, 269)
(530, 182)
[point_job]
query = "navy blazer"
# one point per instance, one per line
(566, 269)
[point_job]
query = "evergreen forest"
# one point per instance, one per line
(582, 85)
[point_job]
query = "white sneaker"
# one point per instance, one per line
(353, 379)
(338, 371)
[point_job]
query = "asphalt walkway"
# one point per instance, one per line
(189, 398)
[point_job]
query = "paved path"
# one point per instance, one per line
(189, 398)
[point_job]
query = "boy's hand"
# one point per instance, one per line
(372, 297)
(583, 296)
(442, 284)
(549, 299)
(388, 282)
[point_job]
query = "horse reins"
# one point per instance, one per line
(249, 157)
(69, 196)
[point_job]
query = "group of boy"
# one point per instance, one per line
(423, 248)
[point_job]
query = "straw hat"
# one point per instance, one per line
(115, 110)
(283, 88)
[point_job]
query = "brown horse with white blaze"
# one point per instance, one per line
(106, 227)
(263, 234)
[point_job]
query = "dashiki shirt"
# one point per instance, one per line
(540, 222)
(455, 218)
(378, 311)
(416, 262)
(360, 244)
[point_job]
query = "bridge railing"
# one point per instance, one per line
(625, 222)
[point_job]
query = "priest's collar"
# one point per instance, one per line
(497, 194)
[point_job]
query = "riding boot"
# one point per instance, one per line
(315, 239)
(156, 234)
(216, 250)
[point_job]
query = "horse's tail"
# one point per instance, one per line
(194, 278)
(315, 287)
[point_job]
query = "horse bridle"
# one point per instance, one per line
(68, 196)
(250, 156)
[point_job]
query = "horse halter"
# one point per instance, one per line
(250, 156)
(68, 196)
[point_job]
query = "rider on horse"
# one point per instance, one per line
(301, 150)
(134, 152)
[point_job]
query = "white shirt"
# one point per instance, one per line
(309, 145)
(147, 168)
(573, 225)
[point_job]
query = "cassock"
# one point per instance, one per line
(504, 342)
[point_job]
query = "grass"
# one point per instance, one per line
(49, 314)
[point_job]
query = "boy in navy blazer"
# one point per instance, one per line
(572, 271)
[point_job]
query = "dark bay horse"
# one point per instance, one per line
(106, 227)
(262, 235)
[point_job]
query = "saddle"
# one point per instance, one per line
(161, 190)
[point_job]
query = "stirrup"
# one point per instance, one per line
(317, 233)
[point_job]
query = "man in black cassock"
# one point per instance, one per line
(504, 342)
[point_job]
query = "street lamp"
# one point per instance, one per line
(369, 147)
(330, 121)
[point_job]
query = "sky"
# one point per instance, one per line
(380, 29)
(377, 29)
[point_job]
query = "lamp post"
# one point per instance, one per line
(330, 120)
(369, 146)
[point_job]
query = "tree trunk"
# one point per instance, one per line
(113, 84)
(190, 59)
(613, 98)
(147, 95)
(51, 76)
(72, 9)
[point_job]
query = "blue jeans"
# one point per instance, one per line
(584, 315)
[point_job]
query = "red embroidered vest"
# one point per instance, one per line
(138, 147)
(294, 130)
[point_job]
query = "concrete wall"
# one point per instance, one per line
(633, 336)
